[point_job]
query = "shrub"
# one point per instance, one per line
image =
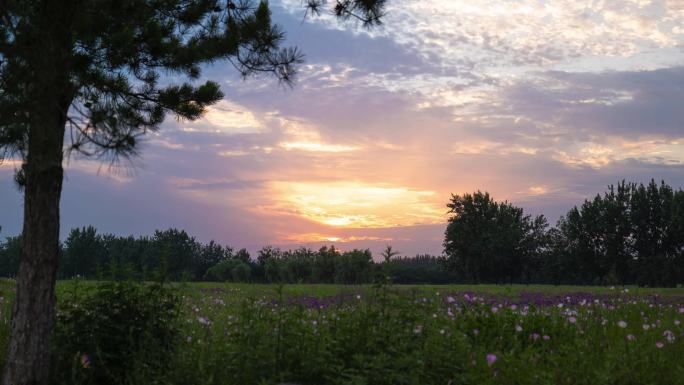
(115, 333)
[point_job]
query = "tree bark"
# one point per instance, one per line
(28, 356)
(49, 92)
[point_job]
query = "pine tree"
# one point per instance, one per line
(89, 71)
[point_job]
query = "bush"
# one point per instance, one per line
(115, 333)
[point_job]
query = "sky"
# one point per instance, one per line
(542, 103)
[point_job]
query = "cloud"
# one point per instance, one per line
(227, 117)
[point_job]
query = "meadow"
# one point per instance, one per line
(370, 334)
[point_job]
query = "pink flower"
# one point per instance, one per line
(491, 359)
(494, 309)
(85, 361)
(572, 320)
(677, 322)
(630, 337)
(546, 338)
(451, 299)
(534, 336)
(659, 345)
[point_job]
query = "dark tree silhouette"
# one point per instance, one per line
(89, 71)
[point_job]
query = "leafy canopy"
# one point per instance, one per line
(123, 58)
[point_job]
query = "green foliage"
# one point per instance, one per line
(489, 241)
(10, 250)
(230, 270)
(630, 234)
(383, 336)
(114, 332)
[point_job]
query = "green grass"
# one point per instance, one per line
(336, 334)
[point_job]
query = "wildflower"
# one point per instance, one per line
(630, 337)
(546, 337)
(669, 336)
(659, 345)
(476, 332)
(514, 307)
(358, 296)
(451, 299)
(572, 320)
(189, 339)
(518, 328)
(622, 324)
(646, 326)
(491, 359)
(418, 329)
(681, 310)
(85, 361)
(494, 309)
(534, 336)
(204, 321)
(677, 322)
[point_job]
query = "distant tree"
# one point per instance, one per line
(241, 272)
(630, 234)
(210, 255)
(243, 255)
(175, 250)
(92, 70)
(84, 252)
(388, 253)
(354, 267)
(421, 269)
(323, 269)
(10, 250)
(488, 241)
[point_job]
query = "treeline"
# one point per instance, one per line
(175, 255)
(632, 234)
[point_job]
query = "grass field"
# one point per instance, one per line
(331, 334)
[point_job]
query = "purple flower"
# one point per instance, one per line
(546, 337)
(534, 336)
(491, 359)
(630, 337)
(572, 320)
(451, 299)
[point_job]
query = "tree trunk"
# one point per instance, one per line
(50, 93)
(28, 357)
